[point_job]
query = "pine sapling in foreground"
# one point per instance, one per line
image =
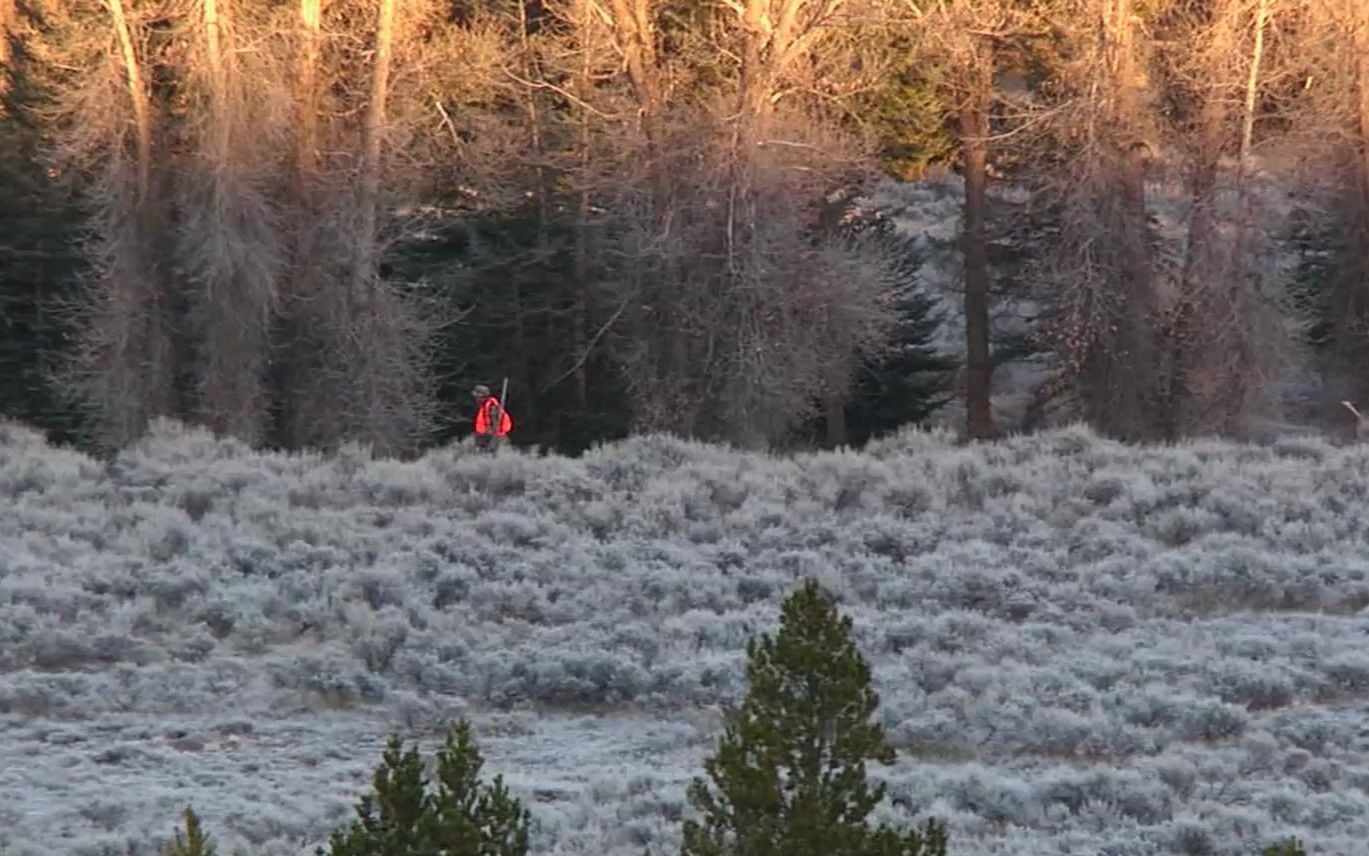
(195, 842)
(788, 777)
(460, 817)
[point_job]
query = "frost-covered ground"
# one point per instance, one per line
(1082, 648)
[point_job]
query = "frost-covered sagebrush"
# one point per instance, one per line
(1079, 646)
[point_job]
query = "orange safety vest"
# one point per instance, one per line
(482, 418)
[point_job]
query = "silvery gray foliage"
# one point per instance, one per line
(1079, 646)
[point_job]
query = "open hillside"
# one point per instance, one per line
(1082, 647)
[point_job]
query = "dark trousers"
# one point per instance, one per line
(486, 442)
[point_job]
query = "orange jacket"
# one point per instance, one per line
(482, 418)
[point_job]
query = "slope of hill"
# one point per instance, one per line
(1081, 647)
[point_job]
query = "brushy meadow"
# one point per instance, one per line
(1081, 647)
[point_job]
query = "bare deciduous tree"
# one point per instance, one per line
(376, 354)
(216, 195)
(1309, 88)
(294, 355)
(228, 236)
(123, 367)
(738, 314)
(1232, 346)
(1098, 269)
(1352, 286)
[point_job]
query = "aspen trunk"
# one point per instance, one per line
(307, 96)
(531, 72)
(366, 324)
(632, 20)
(580, 321)
(1185, 315)
(138, 98)
(660, 326)
(216, 21)
(226, 250)
(1246, 385)
(1252, 83)
(366, 261)
(214, 43)
(378, 341)
(125, 360)
(1129, 383)
(292, 355)
(9, 25)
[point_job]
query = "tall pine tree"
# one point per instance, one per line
(912, 378)
(40, 231)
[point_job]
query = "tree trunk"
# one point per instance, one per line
(138, 99)
(366, 260)
(307, 96)
(291, 355)
(650, 310)
(229, 252)
(9, 26)
(1129, 384)
(138, 375)
(580, 320)
(834, 412)
(636, 35)
(1252, 83)
(531, 72)
(974, 132)
(213, 38)
(1186, 314)
(365, 355)
(1353, 302)
(1249, 353)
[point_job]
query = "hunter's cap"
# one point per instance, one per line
(480, 390)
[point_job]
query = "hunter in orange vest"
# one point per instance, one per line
(488, 410)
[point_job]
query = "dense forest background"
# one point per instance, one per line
(306, 222)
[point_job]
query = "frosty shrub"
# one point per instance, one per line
(1079, 645)
(460, 817)
(789, 773)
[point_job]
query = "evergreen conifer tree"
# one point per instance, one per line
(195, 842)
(41, 227)
(789, 778)
(1289, 847)
(461, 817)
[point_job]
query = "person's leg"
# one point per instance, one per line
(482, 442)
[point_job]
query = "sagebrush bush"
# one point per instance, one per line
(1042, 615)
